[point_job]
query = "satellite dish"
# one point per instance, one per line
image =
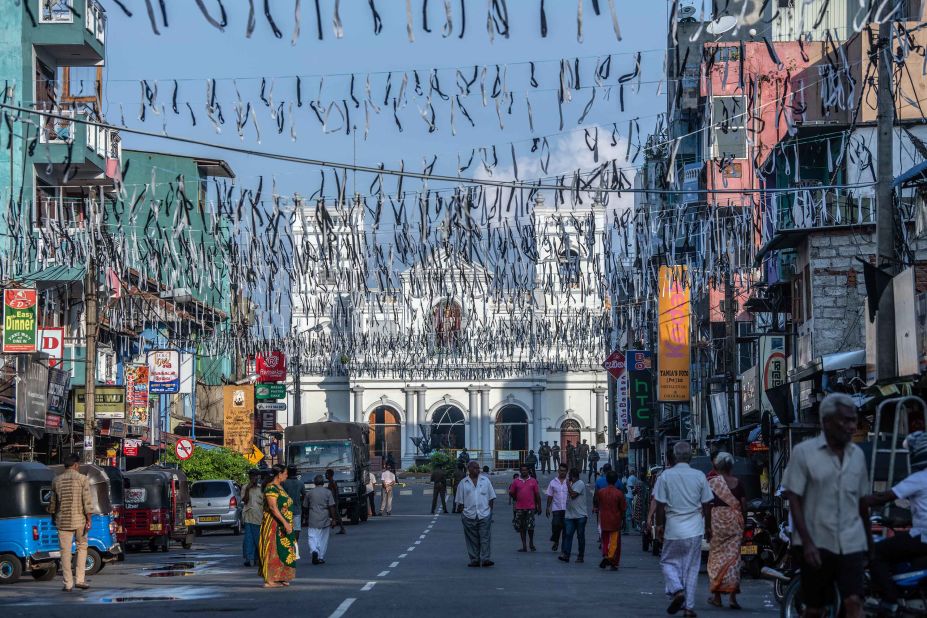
(686, 10)
(721, 25)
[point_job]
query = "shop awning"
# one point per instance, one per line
(54, 275)
(914, 176)
(827, 363)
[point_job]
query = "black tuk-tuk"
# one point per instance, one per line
(158, 508)
(117, 485)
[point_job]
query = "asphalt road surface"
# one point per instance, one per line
(409, 564)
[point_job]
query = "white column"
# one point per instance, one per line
(410, 430)
(420, 409)
(600, 422)
(358, 392)
(537, 412)
(489, 434)
(474, 440)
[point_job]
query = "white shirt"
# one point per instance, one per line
(914, 489)
(557, 489)
(388, 478)
(475, 498)
(371, 481)
(683, 490)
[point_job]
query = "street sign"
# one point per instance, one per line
(614, 364)
(183, 448)
(130, 447)
(269, 391)
(276, 406)
(255, 455)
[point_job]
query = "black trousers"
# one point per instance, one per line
(556, 461)
(442, 491)
(593, 470)
(557, 522)
(373, 508)
(545, 464)
(900, 548)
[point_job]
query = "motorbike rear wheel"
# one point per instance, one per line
(793, 604)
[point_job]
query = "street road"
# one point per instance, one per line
(410, 564)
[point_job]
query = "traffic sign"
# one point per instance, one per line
(183, 448)
(276, 406)
(615, 364)
(269, 391)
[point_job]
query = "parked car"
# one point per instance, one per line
(216, 504)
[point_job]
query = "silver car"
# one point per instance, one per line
(216, 504)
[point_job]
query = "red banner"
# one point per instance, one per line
(271, 367)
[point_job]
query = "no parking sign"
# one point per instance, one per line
(183, 449)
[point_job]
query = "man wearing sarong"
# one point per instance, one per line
(681, 495)
(610, 503)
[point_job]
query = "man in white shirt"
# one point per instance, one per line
(575, 519)
(557, 495)
(388, 480)
(474, 501)
(371, 489)
(681, 494)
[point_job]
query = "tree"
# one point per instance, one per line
(213, 463)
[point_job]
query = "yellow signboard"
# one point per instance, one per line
(110, 402)
(673, 359)
(238, 408)
(254, 456)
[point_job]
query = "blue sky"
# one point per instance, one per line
(191, 51)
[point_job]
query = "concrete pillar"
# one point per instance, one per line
(489, 426)
(420, 409)
(537, 412)
(410, 430)
(473, 442)
(600, 421)
(358, 399)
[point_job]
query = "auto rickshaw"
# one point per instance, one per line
(117, 485)
(102, 545)
(158, 508)
(28, 539)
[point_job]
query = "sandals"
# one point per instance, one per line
(714, 602)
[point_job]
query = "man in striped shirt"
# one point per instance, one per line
(71, 507)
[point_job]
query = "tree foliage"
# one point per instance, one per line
(214, 463)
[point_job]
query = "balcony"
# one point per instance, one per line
(87, 149)
(72, 31)
(789, 217)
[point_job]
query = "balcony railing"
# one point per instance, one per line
(812, 208)
(95, 20)
(57, 130)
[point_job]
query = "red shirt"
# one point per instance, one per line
(524, 490)
(612, 505)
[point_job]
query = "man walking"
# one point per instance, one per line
(582, 453)
(320, 505)
(333, 487)
(555, 453)
(681, 494)
(388, 481)
(826, 480)
(474, 500)
(576, 517)
(439, 488)
(71, 507)
(371, 488)
(556, 504)
(593, 465)
(610, 503)
(524, 490)
(295, 489)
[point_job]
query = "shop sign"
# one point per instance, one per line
(110, 402)
(164, 372)
(19, 320)
(271, 367)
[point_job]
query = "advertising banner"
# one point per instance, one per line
(58, 384)
(773, 367)
(32, 394)
(615, 364)
(269, 391)
(110, 402)
(51, 341)
(163, 372)
(137, 394)
(19, 321)
(271, 367)
(238, 410)
(130, 447)
(640, 387)
(673, 354)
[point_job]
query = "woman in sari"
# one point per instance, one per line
(277, 548)
(726, 530)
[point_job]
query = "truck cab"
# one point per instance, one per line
(341, 447)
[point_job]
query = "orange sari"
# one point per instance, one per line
(727, 532)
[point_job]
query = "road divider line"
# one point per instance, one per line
(401, 556)
(341, 609)
(417, 543)
(410, 549)
(383, 574)
(394, 565)
(368, 586)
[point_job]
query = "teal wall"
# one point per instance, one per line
(13, 65)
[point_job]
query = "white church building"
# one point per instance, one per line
(483, 371)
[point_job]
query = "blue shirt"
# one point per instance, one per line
(601, 482)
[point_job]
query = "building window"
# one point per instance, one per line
(446, 320)
(447, 428)
(729, 122)
(56, 11)
(726, 54)
(570, 272)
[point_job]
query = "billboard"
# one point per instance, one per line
(51, 341)
(673, 354)
(639, 367)
(615, 364)
(238, 410)
(137, 394)
(32, 394)
(773, 367)
(20, 325)
(59, 382)
(164, 372)
(271, 367)
(110, 402)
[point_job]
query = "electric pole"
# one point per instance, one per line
(90, 334)
(885, 207)
(730, 311)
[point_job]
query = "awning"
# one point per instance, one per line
(914, 176)
(54, 275)
(827, 363)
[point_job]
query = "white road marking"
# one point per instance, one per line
(383, 574)
(368, 586)
(402, 556)
(341, 609)
(405, 492)
(500, 492)
(410, 549)
(417, 543)
(394, 565)
(427, 492)
(421, 536)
